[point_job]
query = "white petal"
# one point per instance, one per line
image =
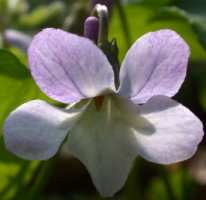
(107, 139)
(173, 132)
(36, 129)
(104, 142)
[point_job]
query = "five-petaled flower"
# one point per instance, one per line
(106, 127)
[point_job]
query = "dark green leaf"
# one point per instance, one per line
(16, 87)
(42, 14)
(192, 6)
(144, 18)
(197, 22)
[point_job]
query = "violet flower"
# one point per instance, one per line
(105, 127)
(18, 39)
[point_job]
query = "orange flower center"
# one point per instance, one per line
(98, 102)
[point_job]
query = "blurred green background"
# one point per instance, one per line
(64, 177)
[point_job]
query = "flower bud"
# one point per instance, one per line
(17, 39)
(91, 28)
(107, 3)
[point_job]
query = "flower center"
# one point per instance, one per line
(98, 102)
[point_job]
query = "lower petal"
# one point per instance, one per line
(104, 142)
(107, 139)
(36, 129)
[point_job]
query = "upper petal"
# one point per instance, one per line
(155, 65)
(172, 134)
(104, 142)
(36, 129)
(68, 67)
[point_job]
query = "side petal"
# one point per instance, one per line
(175, 133)
(68, 67)
(154, 65)
(104, 142)
(36, 129)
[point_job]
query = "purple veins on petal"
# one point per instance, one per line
(109, 131)
(68, 67)
(156, 64)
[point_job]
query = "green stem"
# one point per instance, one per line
(102, 13)
(39, 182)
(109, 48)
(188, 186)
(124, 22)
(167, 183)
(133, 187)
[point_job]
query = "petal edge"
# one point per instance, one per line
(68, 67)
(156, 64)
(34, 131)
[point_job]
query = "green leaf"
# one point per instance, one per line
(42, 14)
(16, 87)
(149, 2)
(157, 2)
(179, 180)
(143, 18)
(192, 6)
(197, 22)
(199, 27)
